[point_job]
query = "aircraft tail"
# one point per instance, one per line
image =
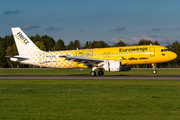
(23, 43)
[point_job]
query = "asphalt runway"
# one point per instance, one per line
(62, 77)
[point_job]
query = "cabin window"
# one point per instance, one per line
(112, 53)
(161, 50)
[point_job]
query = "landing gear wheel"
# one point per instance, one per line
(154, 71)
(100, 73)
(93, 73)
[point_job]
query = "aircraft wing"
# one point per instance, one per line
(85, 61)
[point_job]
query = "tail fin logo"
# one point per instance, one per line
(20, 36)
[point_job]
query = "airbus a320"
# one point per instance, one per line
(105, 59)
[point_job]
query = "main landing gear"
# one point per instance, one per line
(92, 73)
(154, 68)
(100, 73)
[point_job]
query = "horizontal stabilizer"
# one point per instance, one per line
(18, 57)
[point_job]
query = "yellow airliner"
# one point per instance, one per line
(107, 59)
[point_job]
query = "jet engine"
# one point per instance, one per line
(113, 66)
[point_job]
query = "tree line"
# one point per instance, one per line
(46, 43)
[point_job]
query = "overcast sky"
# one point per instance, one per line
(88, 20)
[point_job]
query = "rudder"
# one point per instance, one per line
(23, 43)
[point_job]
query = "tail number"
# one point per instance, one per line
(20, 36)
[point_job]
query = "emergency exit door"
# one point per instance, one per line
(152, 51)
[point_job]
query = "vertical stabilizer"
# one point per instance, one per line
(23, 43)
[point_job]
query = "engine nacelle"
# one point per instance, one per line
(114, 66)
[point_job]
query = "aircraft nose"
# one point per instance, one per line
(173, 55)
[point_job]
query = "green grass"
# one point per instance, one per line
(86, 99)
(93, 100)
(47, 71)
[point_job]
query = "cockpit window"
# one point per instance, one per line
(164, 50)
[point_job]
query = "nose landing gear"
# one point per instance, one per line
(154, 71)
(154, 68)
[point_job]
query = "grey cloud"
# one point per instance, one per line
(11, 12)
(118, 28)
(59, 28)
(83, 30)
(155, 36)
(158, 29)
(178, 29)
(52, 28)
(30, 26)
